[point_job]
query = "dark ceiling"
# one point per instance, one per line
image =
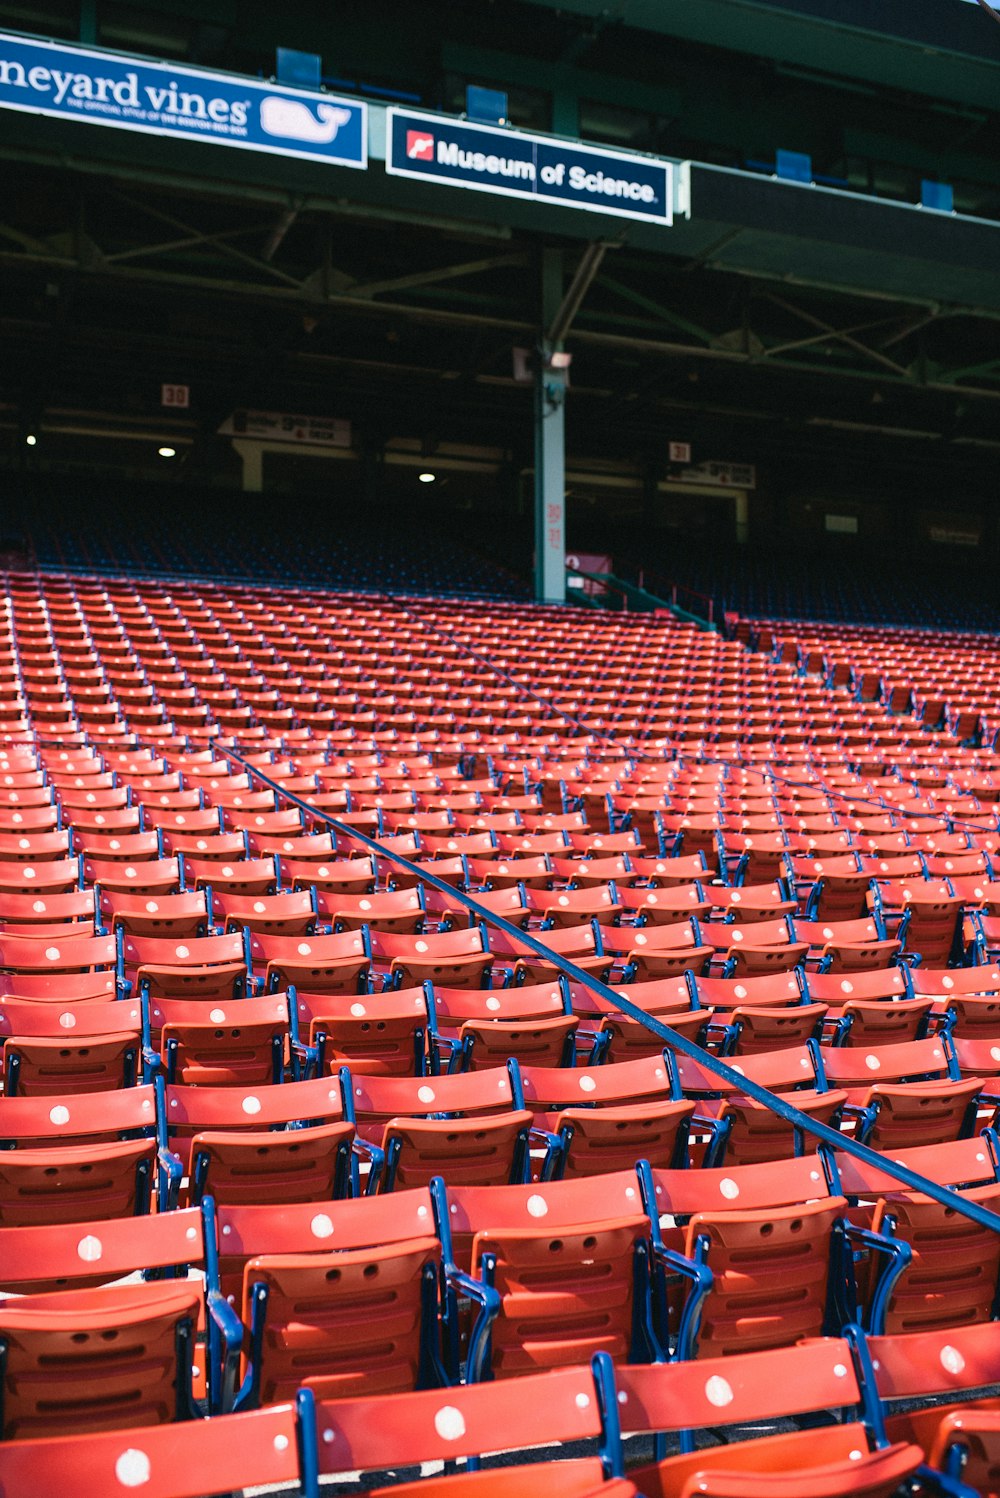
(122, 273)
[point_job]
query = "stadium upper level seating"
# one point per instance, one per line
(138, 532)
(786, 581)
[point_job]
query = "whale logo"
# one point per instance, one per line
(294, 120)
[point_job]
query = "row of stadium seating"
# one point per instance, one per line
(304, 967)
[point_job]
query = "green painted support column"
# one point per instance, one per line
(550, 447)
(88, 22)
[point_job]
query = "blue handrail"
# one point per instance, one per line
(729, 1075)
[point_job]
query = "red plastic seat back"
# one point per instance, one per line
(365, 1324)
(82, 1360)
(565, 1294)
(952, 1277)
(382, 1034)
(770, 1275)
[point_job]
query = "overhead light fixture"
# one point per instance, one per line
(167, 452)
(31, 439)
(426, 478)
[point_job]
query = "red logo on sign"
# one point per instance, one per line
(419, 146)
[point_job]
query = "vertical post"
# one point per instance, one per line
(550, 447)
(742, 517)
(371, 476)
(251, 455)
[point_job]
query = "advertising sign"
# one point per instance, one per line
(587, 562)
(185, 103)
(721, 475)
(492, 158)
(280, 426)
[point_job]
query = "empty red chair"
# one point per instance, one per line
(292, 913)
(925, 914)
(285, 1143)
(750, 902)
(78, 1157)
(871, 1008)
(761, 947)
(385, 1034)
(150, 876)
(173, 1461)
(481, 1028)
(34, 847)
(660, 951)
(431, 1427)
(745, 1132)
(566, 907)
(455, 959)
(370, 1272)
(72, 912)
(905, 1094)
(847, 946)
(394, 910)
(123, 847)
(329, 875)
(511, 904)
(146, 914)
(198, 967)
(762, 1013)
(969, 995)
(51, 876)
(531, 870)
(54, 967)
(605, 1118)
(58, 1048)
(935, 1372)
(340, 963)
(470, 1126)
(234, 876)
(584, 873)
(772, 1237)
(568, 1260)
(838, 889)
(238, 1043)
(61, 1373)
(726, 1396)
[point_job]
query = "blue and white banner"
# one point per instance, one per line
(159, 98)
(491, 158)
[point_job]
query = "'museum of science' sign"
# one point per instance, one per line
(103, 88)
(491, 158)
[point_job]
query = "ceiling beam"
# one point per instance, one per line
(364, 289)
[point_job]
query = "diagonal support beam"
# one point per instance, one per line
(26, 241)
(190, 241)
(837, 335)
(664, 314)
(225, 248)
(440, 273)
(816, 338)
(581, 283)
(281, 226)
(989, 367)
